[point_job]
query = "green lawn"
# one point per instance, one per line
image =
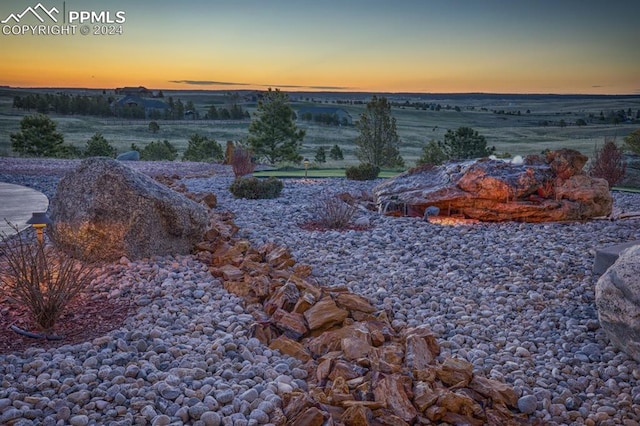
(315, 173)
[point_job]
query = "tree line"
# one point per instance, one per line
(106, 106)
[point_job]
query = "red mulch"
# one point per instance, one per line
(314, 225)
(84, 320)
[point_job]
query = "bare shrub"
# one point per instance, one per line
(41, 278)
(241, 162)
(608, 162)
(331, 212)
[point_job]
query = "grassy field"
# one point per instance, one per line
(315, 173)
(509, 132)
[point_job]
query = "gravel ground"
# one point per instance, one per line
(516, 300)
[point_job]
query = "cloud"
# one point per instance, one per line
(229, 83)
(208, 83)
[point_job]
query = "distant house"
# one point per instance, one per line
(153, 108)
(134, 91)
(325, 114)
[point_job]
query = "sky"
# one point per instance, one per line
(427, 46)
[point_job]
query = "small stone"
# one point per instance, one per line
(161, 420)
(527, 404)
(259, 416)
(210, 418)
(224, 396)
(80, 420)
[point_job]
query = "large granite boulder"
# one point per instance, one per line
(104, 210)
(540, 189)
(618, 302)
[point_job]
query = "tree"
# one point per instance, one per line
(37, 137)
(632, 141)
(273, 133)
(336, 153)
(98, 146)
(608, 162)
(433, 154)
(212, 113)
(154, 127)
(378, 141)
(157, 151)
(321, 155)
(465, 143)
(201, 148)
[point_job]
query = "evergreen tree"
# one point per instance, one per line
(465, 143)
(378, 142)
(273, 133)
(336, 153)
(98, 146)
(37, 137)
(201, 148)
(321, 155)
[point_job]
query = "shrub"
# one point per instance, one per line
(201, 148)
(432, 153)
(158, 151)
(41, 278)
(331, 212)
(608, 162)
(98, 146)
(632, 141)
(253, 188)
(241, 162)
(364, 171)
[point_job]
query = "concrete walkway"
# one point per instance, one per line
(16, 205)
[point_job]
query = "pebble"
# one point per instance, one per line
(518, 297)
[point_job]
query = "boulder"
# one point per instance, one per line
(618, 302)
(104, 210)
(129, 156)
(539, 189)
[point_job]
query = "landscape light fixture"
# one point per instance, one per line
(306, 167)
(39, 221)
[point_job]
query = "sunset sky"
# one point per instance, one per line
(498, 46)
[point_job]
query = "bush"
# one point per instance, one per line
(432, 153)
(157, 151)
(632, 141)
(41, 278)
(241, 162)
(608, 162)
(331, 212)
(362, 171)
(98, 146)
(253, 188)
(201, 148)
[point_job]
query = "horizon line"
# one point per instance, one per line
(327, 91)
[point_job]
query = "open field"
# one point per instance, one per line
(514, 124)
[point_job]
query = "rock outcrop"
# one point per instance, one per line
(104, 210)
(618, 302)
(541, 189)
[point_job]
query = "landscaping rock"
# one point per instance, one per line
(104, 210)
(542, 189)
(618, 302)
(129, 156)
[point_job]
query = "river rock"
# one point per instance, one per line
(104, 210)
(541, 189)
(618, 302)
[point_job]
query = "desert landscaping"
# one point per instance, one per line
(475, 322)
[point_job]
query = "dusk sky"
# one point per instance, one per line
(497, 46)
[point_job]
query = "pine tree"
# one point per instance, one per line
(378, 142)
(273, 134)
